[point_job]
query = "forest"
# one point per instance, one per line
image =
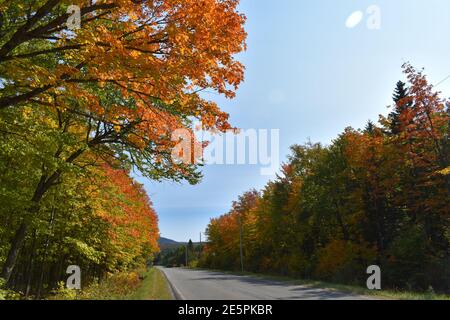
(376, 196)
(180, 255)
(85, 111)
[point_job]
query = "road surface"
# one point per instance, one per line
(208, 285)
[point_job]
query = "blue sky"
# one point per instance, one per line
(310, 76)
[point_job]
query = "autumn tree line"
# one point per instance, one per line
(377, 196)
(84, 111)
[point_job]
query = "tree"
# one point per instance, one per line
(119, 86)
(190, 247)
(401, 105)
(98, 218)
(146, 49)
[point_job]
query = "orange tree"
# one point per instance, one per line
(118, 86)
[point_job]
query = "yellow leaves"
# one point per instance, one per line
(27, 111)
(137, 141)
(445, 172)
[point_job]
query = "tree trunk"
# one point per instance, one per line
(30, 267)
(14, 250)
(45, 183)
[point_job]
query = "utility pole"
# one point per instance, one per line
(240, 242)
(200, 238)
(186, 256)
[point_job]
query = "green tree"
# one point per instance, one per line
(402, 103)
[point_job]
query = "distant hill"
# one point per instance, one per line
(166, 241)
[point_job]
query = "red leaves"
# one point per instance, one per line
(133, 220)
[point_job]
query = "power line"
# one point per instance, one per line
(442, 81)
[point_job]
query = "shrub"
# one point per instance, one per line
(343, 261)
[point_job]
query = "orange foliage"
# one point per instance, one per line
(134, 222)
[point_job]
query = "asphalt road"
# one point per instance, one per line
(208, 285)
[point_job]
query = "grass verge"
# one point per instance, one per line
(142, 284)
(376, 294)
(153, 287)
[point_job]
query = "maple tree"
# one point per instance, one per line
(168, 50)
(109, 93)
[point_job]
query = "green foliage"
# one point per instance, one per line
(93, 215)
(407, 260)
(139, 284)
(6, 294)
(116, 287)
(64, 293)
(175, 255)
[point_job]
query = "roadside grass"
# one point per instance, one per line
(153, 287)
(375, 294)
(139, 284)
